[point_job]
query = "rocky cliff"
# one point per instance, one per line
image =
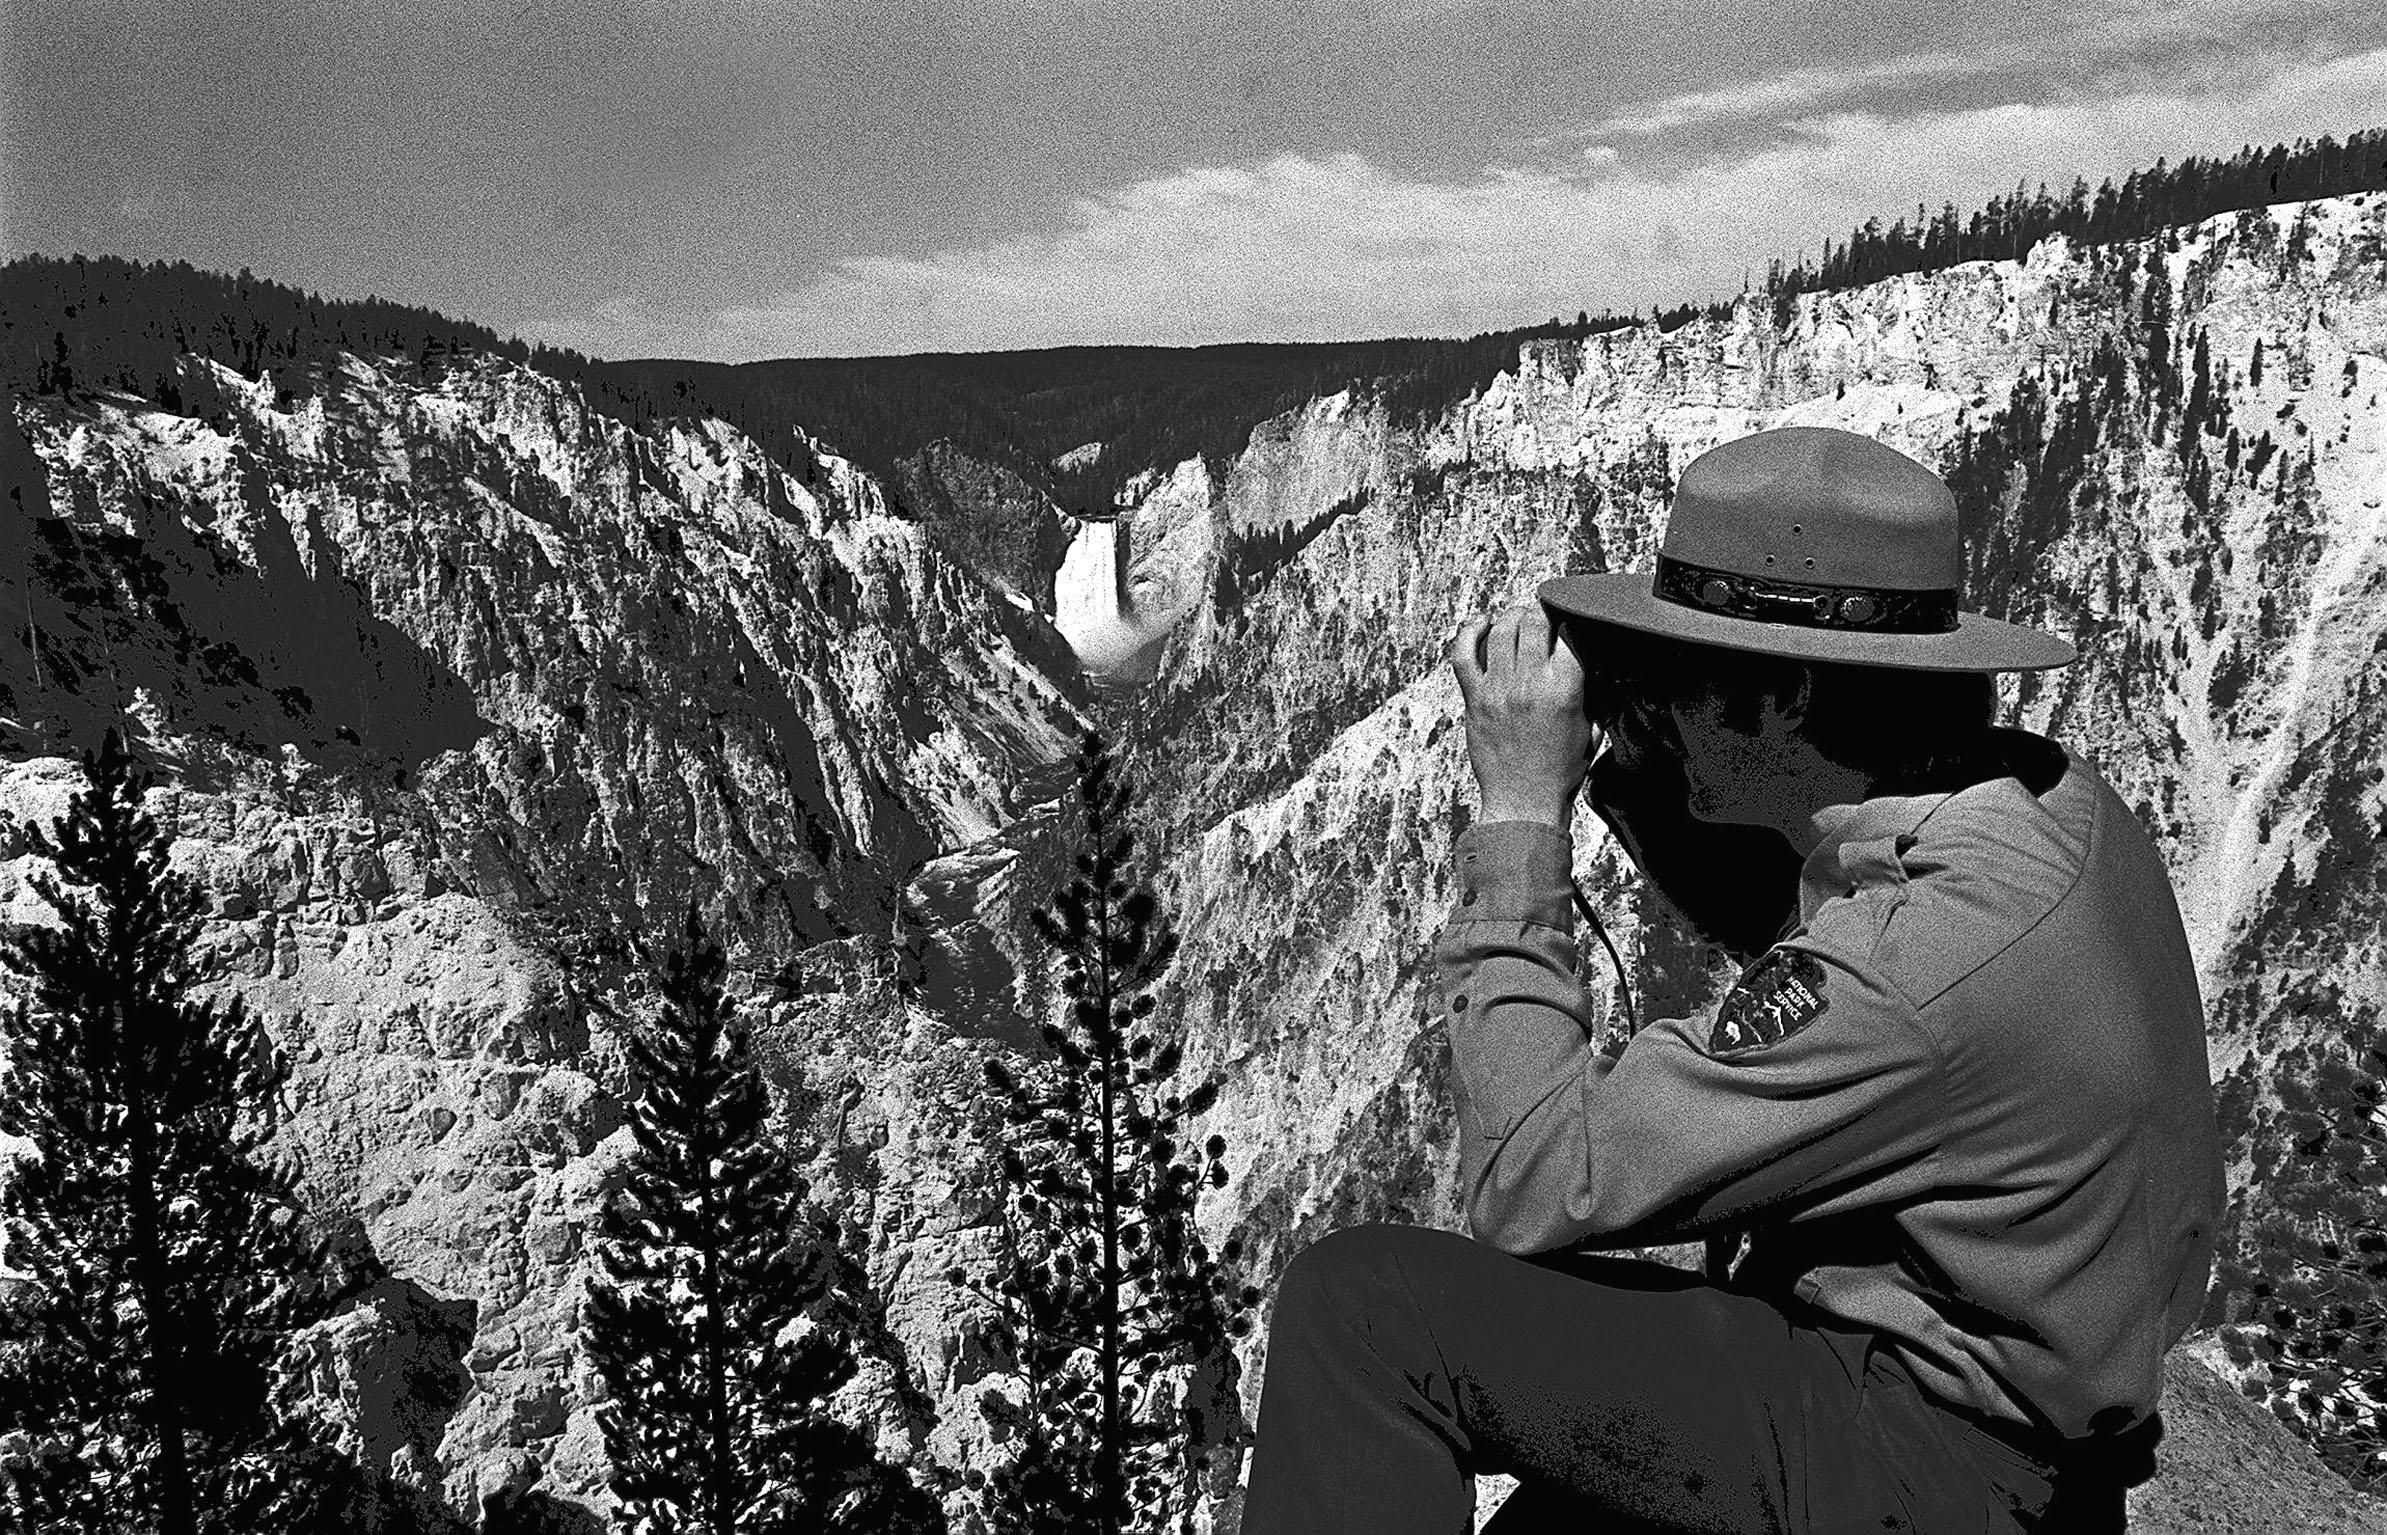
(461, 690)
(463, 687)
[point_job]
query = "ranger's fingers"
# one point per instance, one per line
(1551, 647)
(1535, 639)
(1467, 655)
(1572, 639)
(1502, 644)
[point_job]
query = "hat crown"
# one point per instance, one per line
(1816, 506)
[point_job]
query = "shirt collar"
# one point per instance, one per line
(1826, 872)
(1823, 875)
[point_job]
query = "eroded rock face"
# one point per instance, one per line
(393, 1360)
(2226, 1464)
(635, 668)
(460, 692)
(988, 517)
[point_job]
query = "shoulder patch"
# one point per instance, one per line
(1781, 994)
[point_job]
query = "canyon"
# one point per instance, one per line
(462, 691)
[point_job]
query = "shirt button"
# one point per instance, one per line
(1458, 1004)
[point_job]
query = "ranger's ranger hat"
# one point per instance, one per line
(1815, 543)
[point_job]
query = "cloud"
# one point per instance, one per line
(1323, 247)
(1778, 97)
(2188, 45)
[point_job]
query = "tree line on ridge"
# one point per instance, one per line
(105, 323)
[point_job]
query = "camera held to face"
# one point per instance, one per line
(1628, 681)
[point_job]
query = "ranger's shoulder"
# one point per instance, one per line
(1985, 868)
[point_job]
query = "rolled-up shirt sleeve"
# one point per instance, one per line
(1684, 1132)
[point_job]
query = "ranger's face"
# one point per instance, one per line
(1732, 776)
(1641, 731)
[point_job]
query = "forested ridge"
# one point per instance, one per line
(1138, 407)
(1077, 422)
(1151, 407)
(79, 324)
(2006, 228)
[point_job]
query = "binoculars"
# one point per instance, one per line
(1623, 674)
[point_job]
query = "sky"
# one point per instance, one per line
(736, 179)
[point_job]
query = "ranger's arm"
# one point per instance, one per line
(1816, 1083)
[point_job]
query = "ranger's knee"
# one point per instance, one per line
(1350, 1272)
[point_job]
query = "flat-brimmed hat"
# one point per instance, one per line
(1815, 543)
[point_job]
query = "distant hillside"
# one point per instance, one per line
(80, 324)
(1075, 424)
(1132, 407)
(1152, 407)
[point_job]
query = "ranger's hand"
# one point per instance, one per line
(1526, 734)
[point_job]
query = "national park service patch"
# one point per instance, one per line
(1781, 994)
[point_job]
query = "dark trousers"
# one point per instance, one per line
(1624, 1396)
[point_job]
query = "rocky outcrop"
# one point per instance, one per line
(988, 517)
(460, 692)
(2226, 1464)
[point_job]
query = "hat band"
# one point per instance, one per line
(1865, 609)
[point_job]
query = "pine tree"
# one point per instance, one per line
(165, 1257)
(719, 1328)
(1109, 1300)
(2200, 392)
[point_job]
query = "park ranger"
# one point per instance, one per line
(1949, 1140)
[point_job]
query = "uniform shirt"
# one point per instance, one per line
(1964, 1103)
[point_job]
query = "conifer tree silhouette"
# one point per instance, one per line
(1103, 1283)
(164, 1257)
(720, 1332)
